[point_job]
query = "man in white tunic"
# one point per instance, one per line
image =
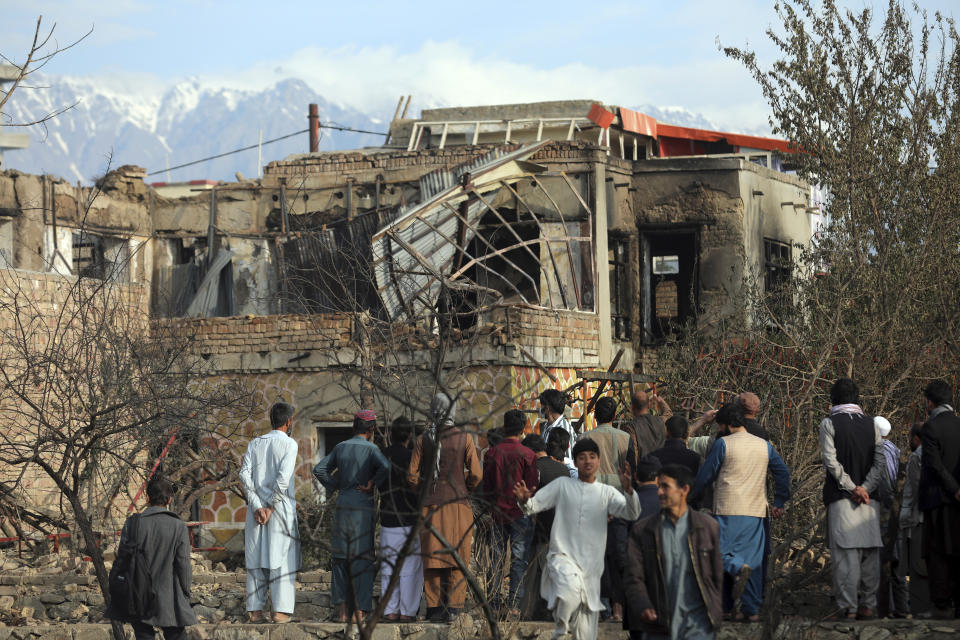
(272, 544)
(571, 580)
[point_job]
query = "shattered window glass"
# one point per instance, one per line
(664, 265)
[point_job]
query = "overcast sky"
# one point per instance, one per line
(365, 54)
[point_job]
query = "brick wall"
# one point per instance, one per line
(358, 161)
(262, 333)
(48, 325)
(541, 328)
(666, 297)
(49, 290)
(294, 333)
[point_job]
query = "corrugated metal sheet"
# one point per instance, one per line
(438, 181)
(413, 254)
(329, 269)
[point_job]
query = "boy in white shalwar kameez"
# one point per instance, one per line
(271, 541)
(571, 580)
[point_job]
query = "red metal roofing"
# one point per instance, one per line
(601, 116)
(638, 122)
(733, 139)
(678, 137)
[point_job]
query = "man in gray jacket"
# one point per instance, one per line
(163, 537)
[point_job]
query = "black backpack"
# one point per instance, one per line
(131, 585)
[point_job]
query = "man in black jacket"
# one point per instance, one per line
(940, 499)
(165, 542)
(398, 514)
(674, 450)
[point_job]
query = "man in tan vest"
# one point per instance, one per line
(737, 465)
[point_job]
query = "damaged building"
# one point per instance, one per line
(535, 241)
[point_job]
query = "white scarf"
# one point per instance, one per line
(850, 408)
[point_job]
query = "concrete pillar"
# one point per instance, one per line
(601, 259)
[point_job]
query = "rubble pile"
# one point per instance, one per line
(62, 588)
(56, 596)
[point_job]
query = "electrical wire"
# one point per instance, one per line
(254, 146)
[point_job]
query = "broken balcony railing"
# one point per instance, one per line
(494, 230)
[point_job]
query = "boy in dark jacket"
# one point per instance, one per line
(674, 567)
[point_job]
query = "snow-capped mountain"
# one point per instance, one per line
(677, 116)
(188, 122)
(106, 128)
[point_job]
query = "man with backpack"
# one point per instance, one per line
(151, 578)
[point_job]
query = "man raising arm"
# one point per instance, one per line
(571, 583)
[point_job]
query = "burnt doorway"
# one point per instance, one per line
(669, 260)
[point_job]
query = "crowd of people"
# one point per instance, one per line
(644, 521)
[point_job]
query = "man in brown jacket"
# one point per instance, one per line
(674, 568)
(444, 469)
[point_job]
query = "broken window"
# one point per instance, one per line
(619, 257)
(778, 264)
(100, 257)
(509, 268)
(488, 233)
(778, 269)
(518, 267)
(669, 280)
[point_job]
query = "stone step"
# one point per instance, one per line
(54, 579)
(467, 627)
(217, 598)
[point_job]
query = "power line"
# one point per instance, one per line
(227, 153)
(254, 146)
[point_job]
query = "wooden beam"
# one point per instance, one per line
(536, 362)
(613, 376)
(596, 396)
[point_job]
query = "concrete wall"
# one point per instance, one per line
(118, 209)
(776, 209)
(721, 197)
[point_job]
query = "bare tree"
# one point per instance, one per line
(90, 393)
(43, 49)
